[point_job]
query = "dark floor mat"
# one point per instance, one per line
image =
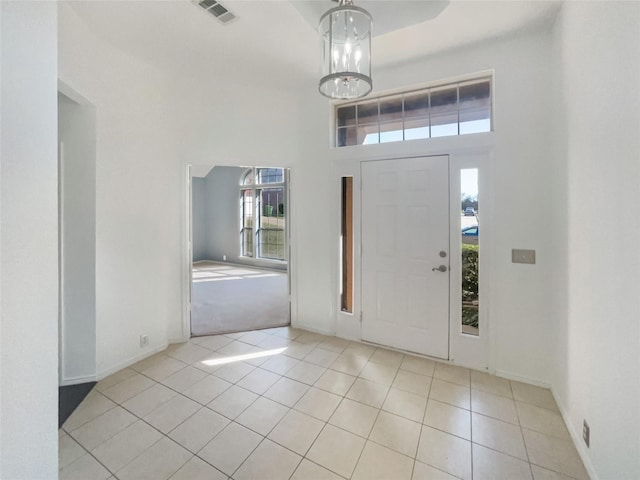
(69, 397)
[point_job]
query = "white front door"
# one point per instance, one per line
(405, 254)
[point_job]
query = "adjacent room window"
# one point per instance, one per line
(453, 109)
(263, 204)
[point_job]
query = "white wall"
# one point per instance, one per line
(138, 226)
(77, 171)
(28, 242)
(598, 344)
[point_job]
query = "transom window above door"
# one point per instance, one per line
(453, 109)
(263, 206)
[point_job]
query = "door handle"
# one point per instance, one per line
(441, 268)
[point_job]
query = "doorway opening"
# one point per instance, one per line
(239, 231)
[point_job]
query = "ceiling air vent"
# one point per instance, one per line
(217, 10)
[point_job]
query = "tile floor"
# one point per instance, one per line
(289, 404)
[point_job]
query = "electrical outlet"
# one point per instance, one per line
(144, 340)
(586, 431)
(224, 258)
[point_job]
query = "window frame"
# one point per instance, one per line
(353, 123)
(257, 187)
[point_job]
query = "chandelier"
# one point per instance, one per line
(346, 56)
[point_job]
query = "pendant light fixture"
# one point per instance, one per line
(346, 57)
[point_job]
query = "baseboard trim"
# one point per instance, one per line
(308, 328)
(521, 378)
(576, 438)
(65, 382)
(130, 361)
(173, 340)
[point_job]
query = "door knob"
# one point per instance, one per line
(441, 268)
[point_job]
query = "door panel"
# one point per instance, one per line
(405, 224)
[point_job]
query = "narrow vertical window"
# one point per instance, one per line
(346, 250)
(246, 232)
(470, 229)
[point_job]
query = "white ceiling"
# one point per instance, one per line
(275, 40)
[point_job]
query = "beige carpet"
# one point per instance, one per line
(229, 298)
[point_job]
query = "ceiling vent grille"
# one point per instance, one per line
(217, 10)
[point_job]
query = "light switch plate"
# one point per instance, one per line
(523, 256)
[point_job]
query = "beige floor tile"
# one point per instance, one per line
(254, 337)
(311, 338)
(94, 405)
(379, 373)
(68, 450)
(310, 471)
(118, 451)
(397, 433)
(298, 350)
(355, 417)
(198, 430)
(412, 382)
(421, 366)
(540, 397)
(102, 428)
(296, 431)
(367, 392)
(273, 342)
(423, 471)
(336, 450)
(230, 448)
(349, 363)
(286, 391)
(280, 364)
(114, 379)
(287, 332)
(450, 393)
(498, 435)
(554, 454)
(234, 372)
(128, 388)
(189, 353)
(491, 384)
(172, 413)
(197, 469)
(380, 463)
(405, 404)
(360, 349)
(491, 465)
(147, 401)
(262, 415)
(258, 360)
(445, 452)
(164, 369)
(210, 363)
(85, 467)
(183, 379)
(232, 402)
(540, 473)
(306, 372)
(494, 406)
(542, 420)
(318, 403)
(334, 344)
(387, 357)
(236, 348)
(258, 381)
(320, 356)
(335, 382)
(206, 389)
(450, 419)
(215, 342)
(452, 374)
(160, 461)
(269, 460)
(149, 362)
